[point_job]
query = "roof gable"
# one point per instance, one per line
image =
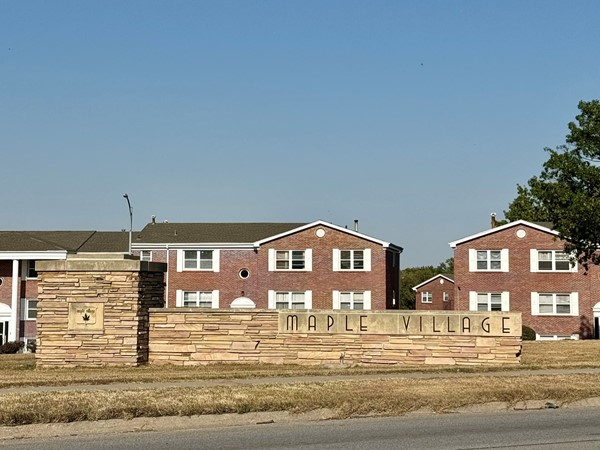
(447, 277)
(502, 228)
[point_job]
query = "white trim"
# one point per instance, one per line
(215, 299)
(535, 304)
(472, 300)
(505, 301)
(271, 299)
(504, 260)
(367, 259)
(179, 260)
(453, 244)
(325, 224)
(556, 337)
(216, 260)
(533, 260)
(472, 260)
(179, 298)
(12, 326)
(431, 279)
(308, 299)
(573, 304)
(308, 259)
(336, 260)
(33, 255)
(25, 308)
(367, 300)
(335, 304)
(204, 245)
(426, 297)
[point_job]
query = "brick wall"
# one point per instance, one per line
(520, 281)
(188, 337)
(437, 287)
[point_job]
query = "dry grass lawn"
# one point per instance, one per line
(345, 398)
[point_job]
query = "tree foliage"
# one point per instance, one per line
(412, 276)
(567, 192)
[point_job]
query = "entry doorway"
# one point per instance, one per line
(3, 331)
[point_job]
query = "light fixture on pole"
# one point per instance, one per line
(130, 219)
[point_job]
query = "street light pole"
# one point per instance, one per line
(130, 219)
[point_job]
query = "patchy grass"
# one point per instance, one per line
(19, 370)
(344, 398)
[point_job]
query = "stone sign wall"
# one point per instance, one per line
(93, 310)
(188, 336)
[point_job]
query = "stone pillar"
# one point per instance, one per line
(93, 309)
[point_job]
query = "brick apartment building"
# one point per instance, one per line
(521, 266)
(220, 265)
(314, 265)
(436, 293)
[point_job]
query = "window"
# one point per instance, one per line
(426, 297)
(358, 300)
(31, 272)
(300, 260)
(555, 304)
(197, 259)
(201, 260)
(346, 259)
(290, 299)
(551, 261)
(446, 297)
(289, 259)
(197, 299)
(352, 260)
(146, 255)
(489, 301)
(488, 260)
(29, 309)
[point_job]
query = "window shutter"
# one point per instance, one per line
(367, 256)
(367, 300)
(179, 260)
(472, 260)
(308, 299)
(215, 299)
(574, 303)
(23, 309)
(336, 299)
(535, 304)
(271, 259)
(308, 259)
(178, 297)
(472, 301)
(504, 260)
(574, 268)
(533, 260)
(271, 300)
(505, 300)
(336, 260)
(216, 260)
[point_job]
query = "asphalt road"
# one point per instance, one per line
(572, 429)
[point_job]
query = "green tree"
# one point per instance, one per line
(525, 207)
(412, 276)
(568, 189)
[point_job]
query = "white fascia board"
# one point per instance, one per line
(203, 245)
(503, 227)
(34, 255)
(431, 279)
(329, 225)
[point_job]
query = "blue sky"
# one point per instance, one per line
(416, 117)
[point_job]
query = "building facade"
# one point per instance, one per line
(315, 265)
(436, 293)
(522, 266)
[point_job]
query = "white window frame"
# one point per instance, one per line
(556, 337)
(337, 260)
(573, 304)
(337, 299)
(474, 300)
(180, 298)
(504, 267)
(28, 267)
(426, 297)
(535, 262)
(145, 255)
(27, 309)
(272, 298)
(181, 260)
(272, 260)
(446, 297)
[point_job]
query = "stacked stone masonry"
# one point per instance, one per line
(189, 337)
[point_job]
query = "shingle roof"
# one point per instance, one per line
(70, 241)
(238, 233)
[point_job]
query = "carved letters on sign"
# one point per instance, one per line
(365, 322)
